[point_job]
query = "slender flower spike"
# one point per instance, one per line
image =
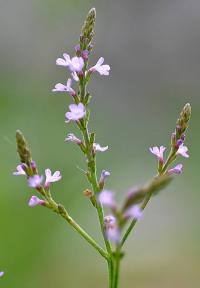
(1, 273)
(182, 150)
(178, 169)
(102, 69)
(35, 181)
(65, 88)
(98, 147)
(50, 178)
(134, 212)
(76, 113)
(158, 152)
(106, 198)
(34, 201)
(19, 170)
(72, 138)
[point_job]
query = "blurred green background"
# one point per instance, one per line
(153, 48)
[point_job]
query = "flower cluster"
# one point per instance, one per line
(77, 66)
(177, 145)
(35, 180)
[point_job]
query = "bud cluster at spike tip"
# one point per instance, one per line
(177, 144)
(87, 31)
(23, 149)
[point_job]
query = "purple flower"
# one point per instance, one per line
(102, 69)
(19, 170)
(134, 211)
(63, 62)
(178, 169)
(158, 152)
(75, 64)
(182, 150)
(35, 181)
(1, 273)
(98, 147)
(50, 178)
(179, 142)
(65, 88)
(72, 138)
(106, 198)
(104, 174)
(76, 113)
(85, 54)
(77, 48)
(111, 229)
(34, 201)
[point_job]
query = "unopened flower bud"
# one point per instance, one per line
(183, 120)
(104, 175)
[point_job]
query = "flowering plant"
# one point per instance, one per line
(116, 226)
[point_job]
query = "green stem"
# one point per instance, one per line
(116, 259)
(91, 161)
(134, 221)
(111, 273)
(170, 159)
(62, 212)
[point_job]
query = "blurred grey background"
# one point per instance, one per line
(153, 48)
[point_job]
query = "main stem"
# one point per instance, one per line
(91, 163)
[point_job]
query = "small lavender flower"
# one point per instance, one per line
(19, 170)
(85, 54)
(182, 150)
(104, 175)
(102, 69)
(109, 221)
(75, 64)
(178, 169)
(35, 181)
(158, 152)
(98, 147)
(50, 178)
(77, 48)
(106, 198)
(34, 201)
(72, 138)
(1, 273)
(63, 62)
(134, 211)
(179, 142)
(65, 88)
(76, 113)
(111, 229)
